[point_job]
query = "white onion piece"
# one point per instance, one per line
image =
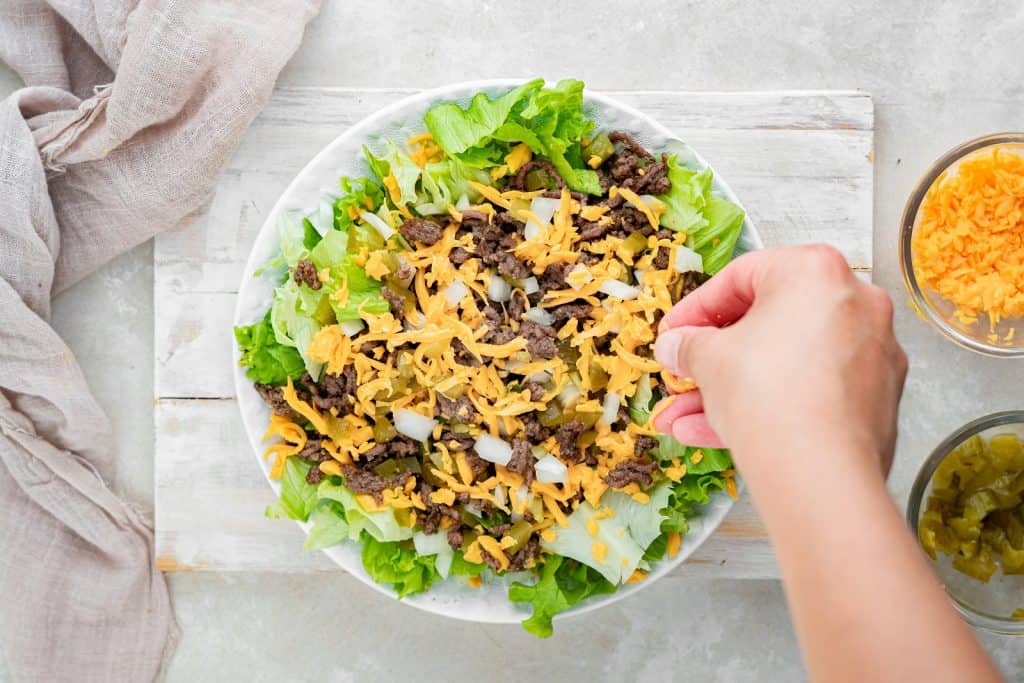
(498, 288)
(431, 544)
(639, 274)
(351, 327)
(543, 208)
(539, 316)
(462, 203)
(492, 449)
(610, 411)
(540, 377)
(414, 425)
(619, 290)
(573, 281)
(530, 285)
(531, 230)
(474, 509)
(687, 260)
(456, 292)
(569, 395)
(378, 224)
(551, 470)
(323, 220)
(499, 494)
(415, 320)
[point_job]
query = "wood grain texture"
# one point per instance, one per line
(801, 162)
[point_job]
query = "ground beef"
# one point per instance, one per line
(436, 512)
(511, 267)
(479, 467)
(463, 356)
(518, 182)
(459, 410)
(588, 259)
(274, 397)
(535, 431)
(643, 445)
(373, 348)
(522, 460)
(557, 194)
(455, 537)
(498, 331)
(661, 259)
(366, 481)
(313, 451)
(629, 472)
(490, 561)
(526, 556)
(563, 313)
(333, 393)
(553, 277)
(456, 442)
(629, 219)
(595, 231)
(590, 456)
(421, 230)
(458, 256)
(305, 272)
(403, 447)
(498, 530)
(470, 216)
(536, 390)
(516, 306)
(541, 340)
(376, 453)
(653, 180)
(314, 476)
(405, 270)
(395, 302)
(566, 436)
(692, 280)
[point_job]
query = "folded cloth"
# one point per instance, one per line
(131, 109)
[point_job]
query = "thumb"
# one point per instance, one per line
(685, 351)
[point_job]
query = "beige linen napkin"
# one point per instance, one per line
(132, 108)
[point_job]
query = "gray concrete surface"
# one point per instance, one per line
(941, 72)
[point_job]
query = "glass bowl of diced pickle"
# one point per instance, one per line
(967, 507)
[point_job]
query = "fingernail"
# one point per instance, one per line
(666, 349)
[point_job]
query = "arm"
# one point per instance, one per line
(800, 375)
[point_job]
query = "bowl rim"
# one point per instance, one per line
(918, 300)
(370, 124)
(924, 476)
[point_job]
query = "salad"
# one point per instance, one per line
(458, 356)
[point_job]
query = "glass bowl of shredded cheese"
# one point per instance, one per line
(962, 245)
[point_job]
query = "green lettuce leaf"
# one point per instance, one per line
(697, 488)
(640, 403)
(380, 524)
(266, 361)
(562, 584)
(462, 567)
(361, 194)
(311, 236)
(623, 551)
(331, 249)
(292, 236)
(329, 526)
(456, 129)
(643, 520)
(397, 564)
(296, 315)
(712, 459)
(716, 241)
(298, 497)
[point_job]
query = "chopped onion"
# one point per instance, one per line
(540, 377)
(415, 320)
(378, 224)
(569, 395)
(498, 288)
(324, 218)
(619, 290)
(639, 274)
(499, 495)
(351, 327)
(474, 509)
(492, 449)
(551, 470)
(456, 292)
(543, 208)
(414, 425)
(462, 203)
(539, 316)
(610, 411)
(530, 285)
(687, 260)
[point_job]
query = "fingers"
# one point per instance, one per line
(721, 300)
(679, 349)
(694, 430)
(676, 407)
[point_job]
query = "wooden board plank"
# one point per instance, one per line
(800, 162)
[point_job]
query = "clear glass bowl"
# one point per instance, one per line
(927, 303)
(984, 605)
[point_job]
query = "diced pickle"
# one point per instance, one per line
(391, 468)
(468, 536)
(600, 147)
(635, 243)
(520, 533)
(975, 512)
(383, 430)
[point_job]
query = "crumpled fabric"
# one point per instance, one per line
(130, 110)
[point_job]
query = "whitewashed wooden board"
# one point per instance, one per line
(801, 162)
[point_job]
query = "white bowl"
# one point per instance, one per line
(451, 598)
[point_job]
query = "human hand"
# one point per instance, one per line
(787, 346)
